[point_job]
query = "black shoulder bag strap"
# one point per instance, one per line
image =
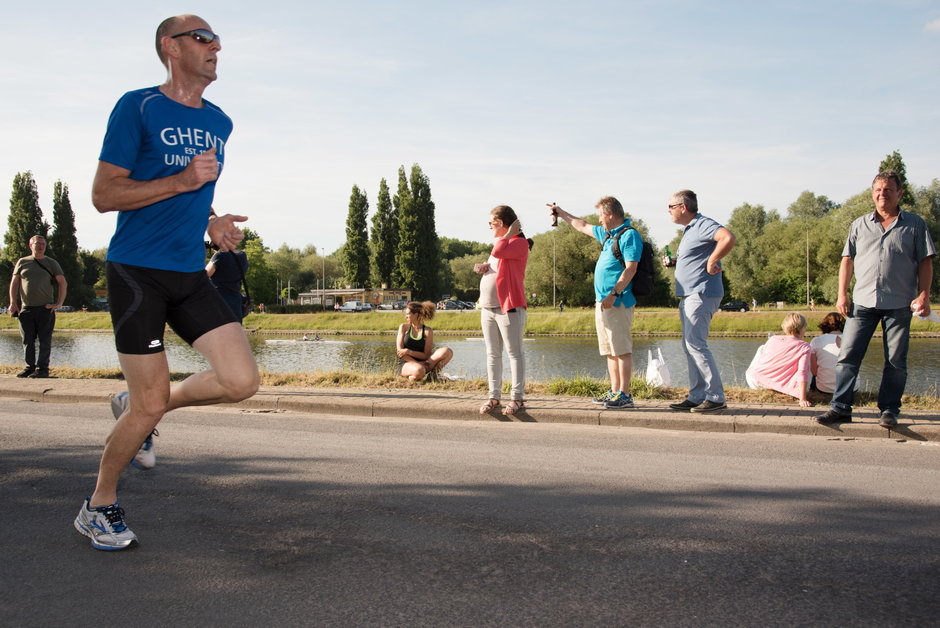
(51, 274)
(241, 271)
(615, 247)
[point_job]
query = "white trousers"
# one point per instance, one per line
(504, 330)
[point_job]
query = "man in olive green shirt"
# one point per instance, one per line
(37, 289)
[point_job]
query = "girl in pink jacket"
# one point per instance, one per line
(783, 362)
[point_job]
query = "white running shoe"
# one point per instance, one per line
(119, 403)
(105, 526)
(146, 457)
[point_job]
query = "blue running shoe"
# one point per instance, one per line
(607, 396)
(105, 526)
(618, 401)
(146, 457)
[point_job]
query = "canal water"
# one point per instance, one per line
(546, 358)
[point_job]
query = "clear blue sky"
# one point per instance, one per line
(515, 103)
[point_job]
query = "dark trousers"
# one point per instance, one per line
(37, 323)
(234, 302)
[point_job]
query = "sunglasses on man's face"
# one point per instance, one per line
(201, 35)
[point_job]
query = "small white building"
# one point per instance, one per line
(331, 296)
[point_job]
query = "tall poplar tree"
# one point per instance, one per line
(384, 238)
(405, 258)
(428, 271)
(356, 250)
(25, 219)
(63, 247)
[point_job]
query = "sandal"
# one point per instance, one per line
(513, 407)
(489, 406)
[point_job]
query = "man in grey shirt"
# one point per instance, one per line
(890, 253)
(37, 290)
(698, 286)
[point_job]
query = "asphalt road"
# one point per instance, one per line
(254, 518)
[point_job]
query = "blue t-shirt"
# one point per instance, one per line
(697, 245)
(608, 268)
(154, 136)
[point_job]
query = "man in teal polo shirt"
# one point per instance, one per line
(613, 291)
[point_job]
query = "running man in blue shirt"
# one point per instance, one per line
(163, 152)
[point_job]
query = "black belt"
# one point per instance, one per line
(34, 307)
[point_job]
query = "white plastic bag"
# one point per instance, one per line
(933, 317)
(657, 373)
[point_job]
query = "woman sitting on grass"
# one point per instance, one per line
(415, 343)
(783, 362)
(826, 352)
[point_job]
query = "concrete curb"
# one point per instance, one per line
(434, 404)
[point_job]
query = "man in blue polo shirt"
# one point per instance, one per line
(163, 152)
(698, 286)
(613, 292)
(890, 252)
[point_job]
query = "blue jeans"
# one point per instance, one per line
(859, 328)
(695, 313)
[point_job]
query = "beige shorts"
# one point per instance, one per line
(614, 329)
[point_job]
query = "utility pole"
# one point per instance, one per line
(553, 269)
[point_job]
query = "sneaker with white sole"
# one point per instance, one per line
(618, 401)
(105, 526)
(146, 457)
(119, 403)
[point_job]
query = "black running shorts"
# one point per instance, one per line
(144, 300)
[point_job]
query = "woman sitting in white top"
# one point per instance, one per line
(825, 354)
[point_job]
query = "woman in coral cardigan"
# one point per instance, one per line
(503, 308)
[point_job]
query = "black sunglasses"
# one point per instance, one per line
(201, 35)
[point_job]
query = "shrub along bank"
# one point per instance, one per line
(540, 321)
(578, 386)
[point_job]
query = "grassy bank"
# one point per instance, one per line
(540, 321)
(580, 386)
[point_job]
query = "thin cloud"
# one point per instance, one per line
(933, 26)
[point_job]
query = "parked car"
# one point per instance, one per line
(399, 305)
(449, 305)
(463, 305)
(366, 307)
(735, 306)
(386, 306)
(65, 308)
(354, 306)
